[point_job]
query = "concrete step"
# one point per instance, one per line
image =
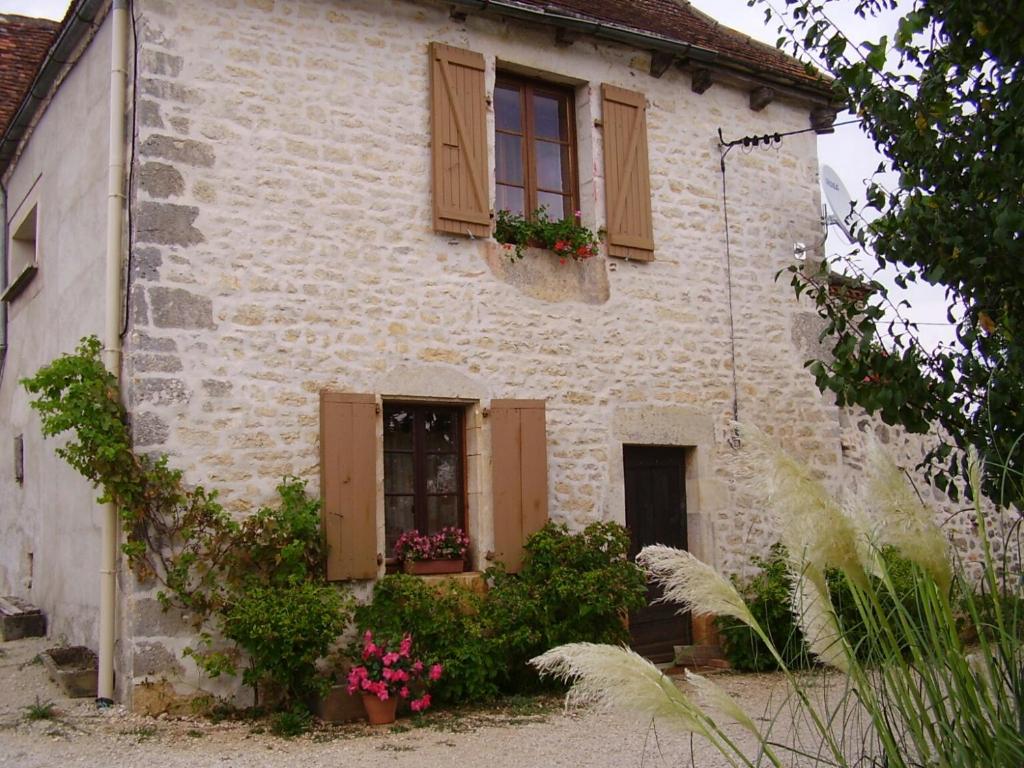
(19, 618)
(700, 656)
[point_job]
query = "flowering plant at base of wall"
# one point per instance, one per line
(389, 675)
(450, 544)
(567, 238)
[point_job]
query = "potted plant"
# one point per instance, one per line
(443, 552)
(383, 677)
(567, 237)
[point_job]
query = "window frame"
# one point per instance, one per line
(420, 454)
(528, 88)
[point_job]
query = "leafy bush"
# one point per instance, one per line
(768, 596)
(284, 630)
(571, 588)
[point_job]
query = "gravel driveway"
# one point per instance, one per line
(538, 735)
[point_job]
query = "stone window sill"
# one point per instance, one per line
(20, 283)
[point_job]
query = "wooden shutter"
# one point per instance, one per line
(348, 484)
(627, 177)
(459, 142)
(519, 469)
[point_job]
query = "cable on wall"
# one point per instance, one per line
(131, 169)
(724, 147)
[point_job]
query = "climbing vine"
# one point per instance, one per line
(234, 579)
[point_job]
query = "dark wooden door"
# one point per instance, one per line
(656, 514)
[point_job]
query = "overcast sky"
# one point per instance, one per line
(848, 151)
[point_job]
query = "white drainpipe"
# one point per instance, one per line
(112, 325)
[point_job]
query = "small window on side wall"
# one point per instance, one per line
(424, 470)
(23, 252)
(535, 147)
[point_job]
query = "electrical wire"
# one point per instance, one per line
(770, 138)
(131, 169)
(734, 439)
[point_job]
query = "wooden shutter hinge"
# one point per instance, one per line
(380, 559)
(376, 408)
(485, 412)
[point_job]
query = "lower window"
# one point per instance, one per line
(424, 469)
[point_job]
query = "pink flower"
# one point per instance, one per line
(387, 674)
(578, 214)
(406, 645)
(390, 658)
(435, 674)
(417, 666)
(418, 705)
(404, 692)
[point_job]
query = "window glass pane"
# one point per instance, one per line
(442, 473)
(398, 473)
(552, 165)
(397, 519)
(511, 199)
(440, 430)
(549, 117)
(442, 511)
(508, 159)
(397, 429)
(508, 108)
(559, 206)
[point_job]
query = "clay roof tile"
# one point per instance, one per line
(24, 42)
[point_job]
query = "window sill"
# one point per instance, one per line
(19, 283)
(540, 274)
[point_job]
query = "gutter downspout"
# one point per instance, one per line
(3, 280)
(116, 196)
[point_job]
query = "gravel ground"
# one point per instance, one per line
(538, 733)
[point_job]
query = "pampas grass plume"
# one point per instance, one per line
(622, 680)
(902, 521)
(694, 584)
(816, 617)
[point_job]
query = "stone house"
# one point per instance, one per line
(310, 285)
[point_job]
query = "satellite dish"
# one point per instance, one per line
(839, 201)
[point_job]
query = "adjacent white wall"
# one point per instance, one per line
(52, 520)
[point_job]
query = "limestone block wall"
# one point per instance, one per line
(284, 244)
(49, 523)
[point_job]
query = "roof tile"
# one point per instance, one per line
(24, 42)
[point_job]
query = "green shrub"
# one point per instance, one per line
(767, 594)
(284, 630)
(571, 588)
(445, 623)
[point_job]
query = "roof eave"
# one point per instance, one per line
(816, 93)
(78, 23)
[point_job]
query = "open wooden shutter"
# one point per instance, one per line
(627, 177)
(459, 141)
(519, 469)
(348, 484)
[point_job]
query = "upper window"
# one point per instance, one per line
(535, 148)
(423, 469)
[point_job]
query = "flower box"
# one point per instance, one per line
(433, 567)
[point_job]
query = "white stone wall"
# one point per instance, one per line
(50, 525)
(284, 244)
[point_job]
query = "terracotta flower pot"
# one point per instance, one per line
(380, 712)
(431, 567)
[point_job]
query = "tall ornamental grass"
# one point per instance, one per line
(930, 678)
